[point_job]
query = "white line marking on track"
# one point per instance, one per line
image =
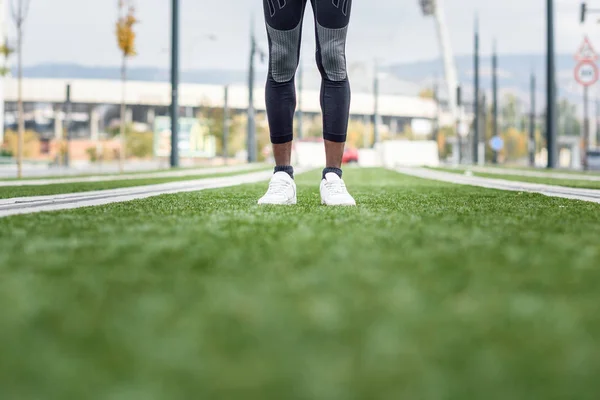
(27, 205)
(591, 195)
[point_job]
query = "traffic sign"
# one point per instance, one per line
(496, 143)
(586, 52)
(586, 73)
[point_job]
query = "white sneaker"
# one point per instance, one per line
(282, 190)
(334, 192)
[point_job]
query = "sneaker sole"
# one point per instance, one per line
(323, 203)
(291, 202)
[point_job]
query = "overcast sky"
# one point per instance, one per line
(82, 31)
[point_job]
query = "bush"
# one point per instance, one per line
(31, 141)
(5, 153)
(92, 154)
(140, 145)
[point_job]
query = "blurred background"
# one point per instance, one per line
(88, 85)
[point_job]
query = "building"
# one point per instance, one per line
(95, 104)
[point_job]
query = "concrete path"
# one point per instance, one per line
(26, 205)
(591, 195)
(531, 173)
(147, 175)
(41, 170)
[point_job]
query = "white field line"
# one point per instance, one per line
(27, 205)
(532, 174)
(591, 195)
(148, 175)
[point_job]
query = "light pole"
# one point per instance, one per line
(254, 50)
(532, 123)
(458, 124)
(225, 123)
(377, 76)
(376, 104)
(495, 100)
(175, 84)
(68, 110)
(550, 86)
(476, 122)
(584, 11)
(435, 8)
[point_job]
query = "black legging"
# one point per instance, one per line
(284, 30)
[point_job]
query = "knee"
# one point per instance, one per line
(283, 53)
(333, 53)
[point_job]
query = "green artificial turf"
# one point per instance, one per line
(424, 291)
(7, 192)
(574, 183)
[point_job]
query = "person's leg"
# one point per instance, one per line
(283, 20)
(331, 20)
(284, 30)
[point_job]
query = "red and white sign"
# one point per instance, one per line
(586, 52)
(586, 71)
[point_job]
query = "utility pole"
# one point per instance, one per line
(175, 84)
(586, 128)
(476, 95)
(376, 105)
(597, 121)
(436, 98)
(550, 87)
(484, 115)
(495, 99)
(532, 123)
(458, 121)
(225, 123)
(5, 53)
(68, 106)
(251, 112)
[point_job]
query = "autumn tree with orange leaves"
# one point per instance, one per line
(126, 41)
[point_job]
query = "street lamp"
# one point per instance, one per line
(584, 11)
(254, 51)
(377, 77)
(427, 6)
(435, 8)
(550, 86)
(174, 83)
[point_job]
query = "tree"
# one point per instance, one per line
(568, 123)
(20, 10)
(31, 143)
(427, 93)
(515, 144)
(213, 118)
(126, 41)
(5, 51)
(511, 111)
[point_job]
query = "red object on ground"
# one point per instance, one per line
(350, 156)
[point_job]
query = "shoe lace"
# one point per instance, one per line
(336, 187)
(278, 187)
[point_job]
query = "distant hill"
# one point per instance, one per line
(408, 78)
(514, 73)
(74, 71)
(312, 79)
